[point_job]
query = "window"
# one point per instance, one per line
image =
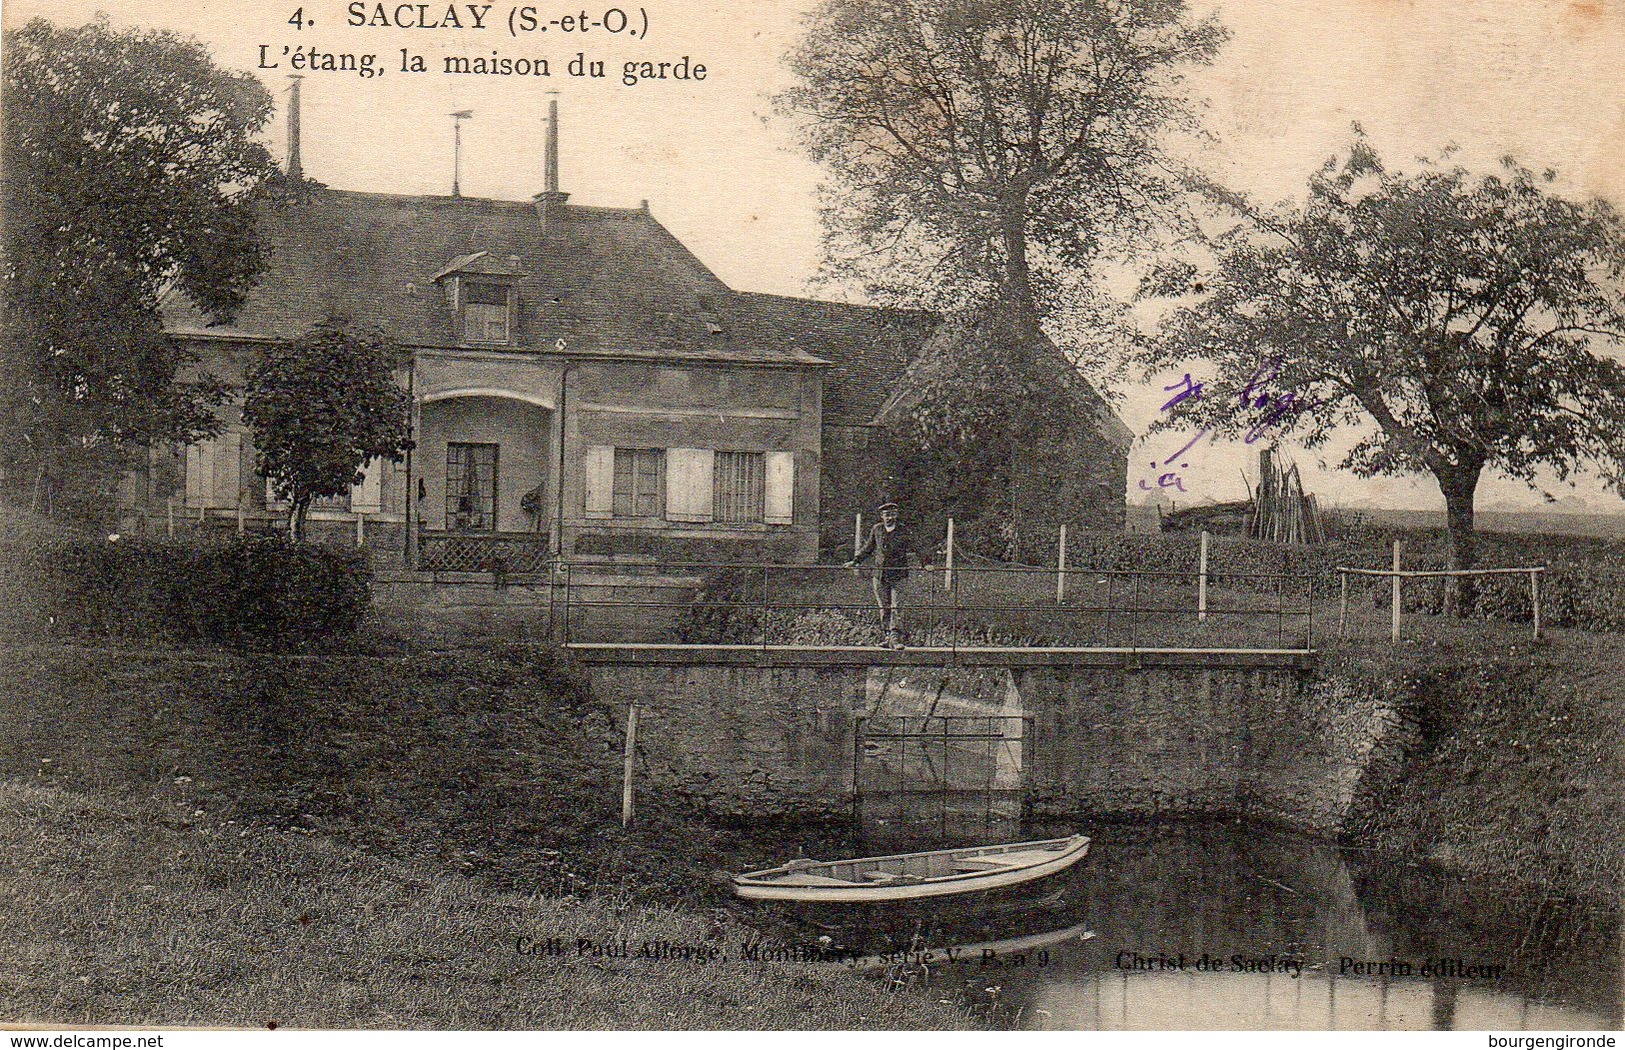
(471, 487)
(640, 482)
(485, 313)
(738, 486)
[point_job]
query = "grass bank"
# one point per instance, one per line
(1510, 757)
(155, 912)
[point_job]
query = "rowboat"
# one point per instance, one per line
(912, 876)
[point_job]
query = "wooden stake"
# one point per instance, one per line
(1343, 603)
(626, 769)
(239, 517)
(360, 529)
(1394, 630)
(1060, 569)
(948, 563)
(1534, 594)
(1201, 581)
(857, 533)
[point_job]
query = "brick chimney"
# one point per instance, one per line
(551, 196)
(296, 169)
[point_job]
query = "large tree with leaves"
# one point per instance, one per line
(1462, 322)
(322, 406)
(981, 151)
(980, 155)
(128, 166)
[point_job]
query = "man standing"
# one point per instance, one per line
(890, 545)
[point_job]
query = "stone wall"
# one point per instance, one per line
(744, 735)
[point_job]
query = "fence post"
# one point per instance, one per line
(1534, 594)
(948, 562)
(1201, 581)
(360, 529)
(169, 517)
(857, 533)
(1343, 603)
(1060, 569)
(626, 764)
(1394, 627)
(239, 515)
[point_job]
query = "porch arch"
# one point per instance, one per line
(539, 400)
(510, 436)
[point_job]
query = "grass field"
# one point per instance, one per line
(153, 912)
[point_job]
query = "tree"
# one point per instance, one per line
(980, 151)
(321, 407)
(981, 154)
(129, 169)
(1456, 318)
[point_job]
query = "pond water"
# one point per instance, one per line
(1224, 925)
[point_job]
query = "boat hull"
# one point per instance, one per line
(762, 887)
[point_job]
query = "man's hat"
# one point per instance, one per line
(888, 505)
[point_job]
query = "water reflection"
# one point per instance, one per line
(1206, 925)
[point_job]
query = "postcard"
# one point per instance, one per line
(813, 515)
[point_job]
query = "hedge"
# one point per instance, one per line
(257, 591)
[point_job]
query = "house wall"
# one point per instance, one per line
(626, 404)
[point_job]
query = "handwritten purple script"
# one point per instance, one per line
(1255, 396)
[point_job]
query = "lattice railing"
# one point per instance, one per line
(494, 552)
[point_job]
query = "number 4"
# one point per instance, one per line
(298, 19)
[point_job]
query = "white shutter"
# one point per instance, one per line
(689, 484)
(366, 498)
(199, 473)
(600, 474)
(779, 507)
(228, 463)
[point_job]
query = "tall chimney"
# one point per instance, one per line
(552, 186)
(296, 169)
(551, 196)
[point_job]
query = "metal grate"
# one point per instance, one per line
(940, 773)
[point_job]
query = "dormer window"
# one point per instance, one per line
(483, 296)
(487, 312)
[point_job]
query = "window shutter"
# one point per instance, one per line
(781, 488)
(199, 473)
(366, 498)
(228, 465)
(688, 484)
(600, 475)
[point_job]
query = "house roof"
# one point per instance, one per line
(605, 280)
(869, 347)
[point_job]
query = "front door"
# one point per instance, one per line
(471, 487)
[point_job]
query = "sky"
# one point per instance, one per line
(1541, 80)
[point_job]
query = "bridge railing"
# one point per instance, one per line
(765, 604)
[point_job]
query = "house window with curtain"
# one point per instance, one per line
(640, 482)
(471, 487)
(738, 486)
(485, 313)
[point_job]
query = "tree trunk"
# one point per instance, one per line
(1459, 483)
(297, 513)
(1020, 304)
